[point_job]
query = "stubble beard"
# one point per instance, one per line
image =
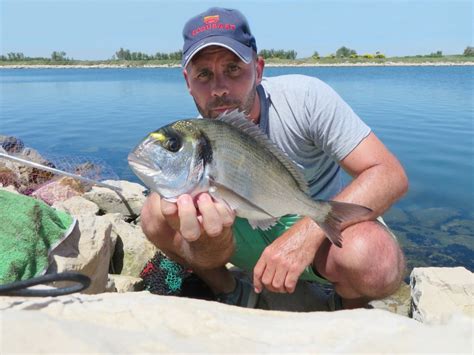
(244, 106)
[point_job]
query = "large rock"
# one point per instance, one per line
(128, 202)
(398, 303)
(438, 293)
(132, 248)
(78, 206)
(122, 283)
(59, 190)
(145, 323)
(31, 178)
(88, 251)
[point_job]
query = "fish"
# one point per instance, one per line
(236, 163)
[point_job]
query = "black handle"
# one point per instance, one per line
(20, 288)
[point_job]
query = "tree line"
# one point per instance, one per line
(126, 54)
(56, 56)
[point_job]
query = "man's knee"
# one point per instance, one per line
(370, 260)
(380, 262)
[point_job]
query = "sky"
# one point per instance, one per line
(96, 29)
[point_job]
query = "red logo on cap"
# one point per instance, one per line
(211, 19)
(212, 23)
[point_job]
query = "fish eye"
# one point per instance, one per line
(172, 144)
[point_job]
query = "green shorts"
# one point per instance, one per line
(250, 243)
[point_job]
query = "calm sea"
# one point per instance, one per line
(423, 114)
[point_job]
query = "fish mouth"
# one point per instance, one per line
(144, 168)
(142, 162)
(153, 175)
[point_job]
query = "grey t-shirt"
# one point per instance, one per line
(316, 128)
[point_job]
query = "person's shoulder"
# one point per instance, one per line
(292, 82)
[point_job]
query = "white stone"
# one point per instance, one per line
(132, 248)
(128, 202)
(438, 293)
(144, 323)
(77, 206)
(88, 251)
(122, 283)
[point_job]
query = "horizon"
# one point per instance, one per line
(96, 29)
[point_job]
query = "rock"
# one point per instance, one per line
(11, 144)
(128, 203)
(122, 283)
(438, 293)
(8, 178)
(432, 217)
(78, 206)
(144, 323)
(59, 190)
(29, 178)
(88, 251)
(396, 216)
(398, 303)
(132, 248)
(10, 189)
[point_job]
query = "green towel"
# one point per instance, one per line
(29, 231)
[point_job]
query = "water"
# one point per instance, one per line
(423, 114)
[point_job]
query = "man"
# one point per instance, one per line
(319, 131)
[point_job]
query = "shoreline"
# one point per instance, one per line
(268, 65)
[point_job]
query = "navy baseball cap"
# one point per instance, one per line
(226, 28)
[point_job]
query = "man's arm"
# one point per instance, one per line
(379, 180)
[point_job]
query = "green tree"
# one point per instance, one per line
(58, 56)
(469, 51)
(436, 54)
(15, 56)
(315, 55)
(279, 53)
(123, 54)
(345, 52)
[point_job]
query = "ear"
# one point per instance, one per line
(185, 73)
(260, 65)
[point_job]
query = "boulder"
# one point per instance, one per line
(78, 206)
(11, 144)
(398, 303)
(122, 283)
(132, 248)
(128, 202)
(437, 293)
(58, 190)
(29, 178)
(140, 322)
(87, 250)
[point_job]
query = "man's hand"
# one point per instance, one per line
(193, 217)
(283, 261)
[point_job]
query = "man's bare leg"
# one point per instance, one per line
(369, 266)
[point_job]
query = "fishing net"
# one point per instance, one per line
(47, 185)
(162, 276)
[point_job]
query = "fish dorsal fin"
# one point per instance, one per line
(237, 119)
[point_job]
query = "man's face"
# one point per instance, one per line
(219, 81)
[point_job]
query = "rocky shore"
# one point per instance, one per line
(118, 66)
(115, 314)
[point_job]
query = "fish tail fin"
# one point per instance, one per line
(339, 216)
